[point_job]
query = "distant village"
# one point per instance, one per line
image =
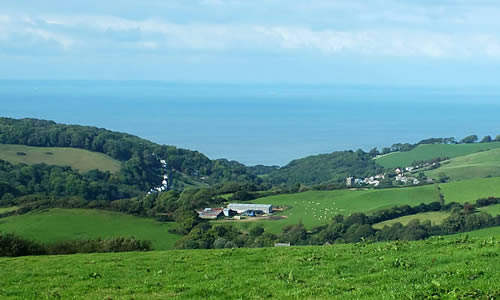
(236, 211)
(401, 175)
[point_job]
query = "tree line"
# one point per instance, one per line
(12, 245)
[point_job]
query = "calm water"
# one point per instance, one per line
(259, 124)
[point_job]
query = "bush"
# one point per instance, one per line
(11, 245)
(118, 244)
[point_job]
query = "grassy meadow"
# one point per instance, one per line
(493, 210)
(471, 190)
(426, 152)
(78, 159)
(476, 165)
(315, 208)
(436, 218)
(54, 225)
(434, 269)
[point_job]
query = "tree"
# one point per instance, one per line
(386, 150)
(486, 139)
(469, 139)
(374, 152)
(443, 177)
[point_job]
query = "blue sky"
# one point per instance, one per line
(426, 42)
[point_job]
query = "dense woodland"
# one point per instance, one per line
(333, 167)
(140, 167)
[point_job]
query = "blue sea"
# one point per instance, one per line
(260, 124)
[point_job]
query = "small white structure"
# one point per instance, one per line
(240, 207)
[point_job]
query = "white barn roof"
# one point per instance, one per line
(241, 207)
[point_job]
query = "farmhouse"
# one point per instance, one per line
(240, 208)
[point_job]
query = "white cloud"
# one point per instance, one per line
(117, 34)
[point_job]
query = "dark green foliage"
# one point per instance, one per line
(487, 139)
(12, 245)
(333, 167)
(118, 244)
(469, 139)
(262, 170)
(242, 196)
(140, 157)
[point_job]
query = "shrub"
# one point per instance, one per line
(11, 245)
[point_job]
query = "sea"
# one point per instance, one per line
(270, 124)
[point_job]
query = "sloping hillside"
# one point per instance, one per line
(333, 167)
(431, 151)
(476, 165)
(78, 159)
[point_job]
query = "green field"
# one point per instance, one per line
(433, 269)
(427, 152)
(69, 224)
(315, 208)
(78, 159)
(436, 218)
(493, 210)
(471, 190)
(476, 165)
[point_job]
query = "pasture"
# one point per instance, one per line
(54, 225)
(431, 269)
(471, 190)
(476, 165)
(314, 208)
(78, 159)
(436, 218)
(427, 152)
(493, 210)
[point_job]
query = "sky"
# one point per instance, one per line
(384, 42)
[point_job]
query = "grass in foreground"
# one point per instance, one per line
(426, 152)
(476, 165)
(70, 224)
(78, 159)
(436, 218)
(434, 268)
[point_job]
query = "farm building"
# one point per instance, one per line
(240, 208)
(229, 212)
(211, 213)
